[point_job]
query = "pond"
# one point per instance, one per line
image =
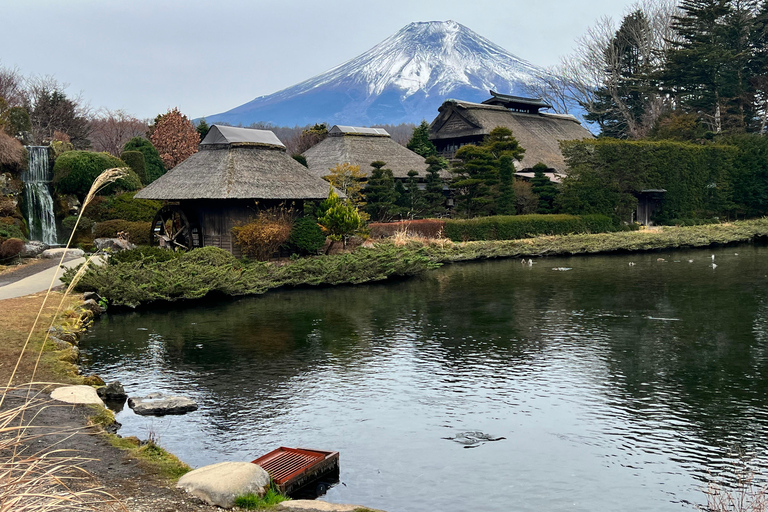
(626, 382)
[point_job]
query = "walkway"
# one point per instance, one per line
(38, 282)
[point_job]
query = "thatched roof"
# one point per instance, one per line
(539, 134)
(237, 164)
(361, 146)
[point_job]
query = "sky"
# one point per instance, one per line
(206, 57)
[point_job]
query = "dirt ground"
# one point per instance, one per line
(136, 486)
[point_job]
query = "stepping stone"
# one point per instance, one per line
(157, 404)
(77, 395)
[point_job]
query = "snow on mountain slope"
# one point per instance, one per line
(402, 79)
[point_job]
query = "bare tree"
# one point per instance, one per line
(111, 129)
(51, 110)
(11, 86)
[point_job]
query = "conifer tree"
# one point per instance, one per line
(420, 142)
(544, 188)
(433, 195)
(380, 193)
(505, 204)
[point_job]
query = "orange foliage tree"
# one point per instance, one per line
(175, 137)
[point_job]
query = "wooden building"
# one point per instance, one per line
(236, 172)
(539, 133)
(361, 146)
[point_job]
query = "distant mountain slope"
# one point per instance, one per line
(405, 78)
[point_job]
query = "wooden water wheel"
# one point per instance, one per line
(171, 229)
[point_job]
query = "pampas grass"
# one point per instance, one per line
(44, 480)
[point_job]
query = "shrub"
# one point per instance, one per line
(138, 232)
(153, 165)
(11, 248)
(7, 207)
(144, 253)
(262, 237)
(12, 154)
(135, 160)
(10, 231)
(502, 227)
(75, 171)
(85, 225)
(212, 256)
(427, 228)
(126, 207)
(306, 236)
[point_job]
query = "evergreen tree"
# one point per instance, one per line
(203, 128)
(380, 194)
(544, 188)
(414, 197)
(433, 195)
(420, 142)
(505, 204)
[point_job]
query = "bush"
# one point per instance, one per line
(85, 225)
(153, 165)
(503, 227)
(11, 248)
(135, 160)
(126, 207)
(212, 256)
(145, 253)
(10, 231)
(75, 171)
(306, 236)
(139, 233)
(427, 228)
(262, 237)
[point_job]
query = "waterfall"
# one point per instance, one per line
(37, 196)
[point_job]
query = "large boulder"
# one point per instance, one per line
(219, 484)
(56, 253)
(77, 395)
(113, 244)
(33, 249)
(157, 404)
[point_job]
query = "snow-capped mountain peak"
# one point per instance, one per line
(402, 79)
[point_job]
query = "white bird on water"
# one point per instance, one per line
(530, 263)
(714, 266)
(713, 257)
(631, 263)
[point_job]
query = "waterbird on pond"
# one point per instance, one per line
(473, 439)
(530, 262)
(713, 257)
(690, 261)
(714, 265)
(631, 263)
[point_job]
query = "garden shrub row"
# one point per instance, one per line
(139, 233)
(513, 227)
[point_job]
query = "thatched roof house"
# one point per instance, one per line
(539, 133)
(236, 172)
(361, 146)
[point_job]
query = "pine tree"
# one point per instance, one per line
(414, 197)
(380, 193)
(505, 204)
(202, 128)
(433, 195)
(544, 188)
(420, 142)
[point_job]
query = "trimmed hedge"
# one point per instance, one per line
(153, 164)
(140, 233)
(513, 227)
(135, 160)
(75, 171)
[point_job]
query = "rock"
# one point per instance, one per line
(70, 355)
(91, 295)
(56, 253)
(70, 336)
(219, 484)
(113, 391)
(33, 249)
(77, 395)
(70, 204)
(158, 404)
(320, 506)
(93, 306)
(93, 380)
(59, 344)
(368, 244)
(113, 244)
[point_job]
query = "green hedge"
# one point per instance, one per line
(135, 160)
(75, 171)
(513, 227)
(153, 164)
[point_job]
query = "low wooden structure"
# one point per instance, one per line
(237, 172)
(293, 469)
(360, 146)
(461, 122)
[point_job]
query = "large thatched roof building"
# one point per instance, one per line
(236, 172)
(539, 133)
(361, 146)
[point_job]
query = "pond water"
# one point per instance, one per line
(623, 383)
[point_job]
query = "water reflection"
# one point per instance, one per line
(612, 384)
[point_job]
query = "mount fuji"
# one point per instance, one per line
(403, 79)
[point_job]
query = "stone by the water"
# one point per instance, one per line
(113, 391)
(77, 395)
(113, 244)
(157, 404)
(93, 306)
(219, 484)
(33, 249)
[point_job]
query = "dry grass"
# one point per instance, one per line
(402, 238)
(745, 496)
(49, 479)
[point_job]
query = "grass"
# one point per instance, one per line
(255, 502)
(152, 456)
